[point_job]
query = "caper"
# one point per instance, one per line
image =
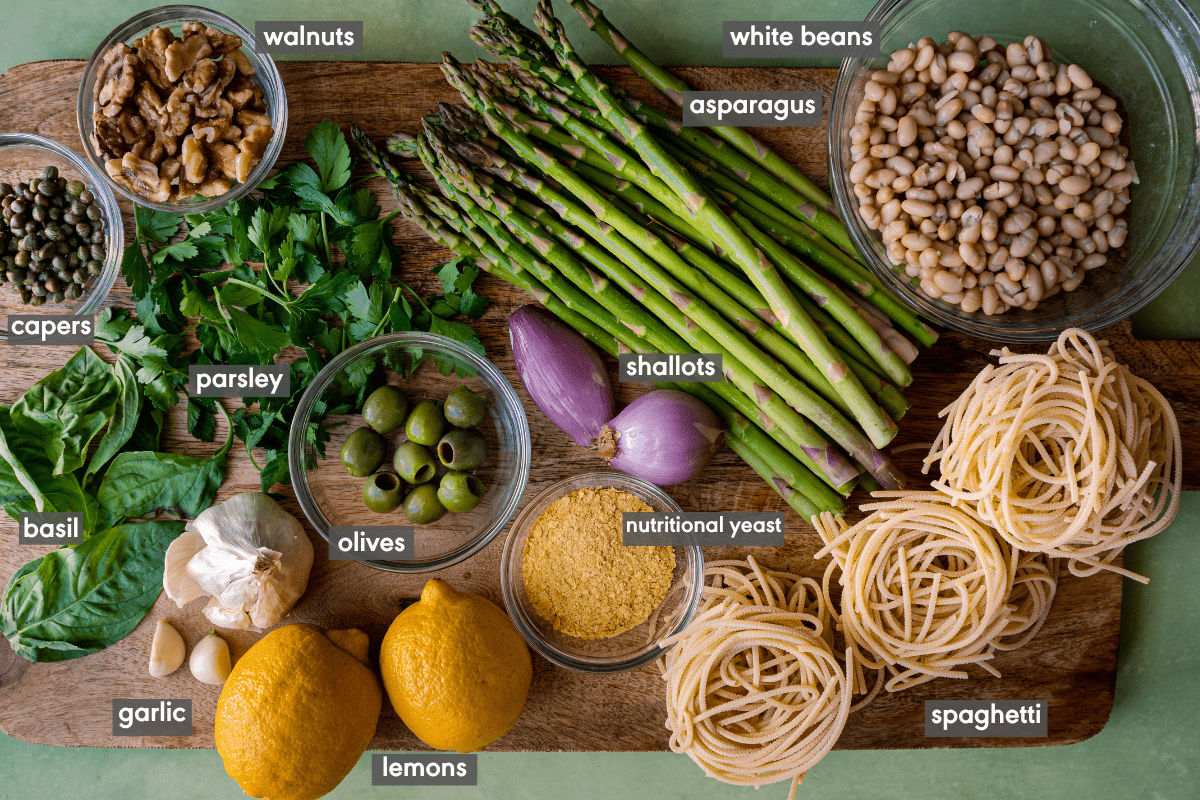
(83, 228)
(94, 213)
(97, 251)
(32, 188)
(59, 263)
(55, 213)
(53, 284)
(56, 297)
(55, 233)
(83, 254)
(21, 259)
(94, 267)
(5, 189)
(74, 188)
(37, 300)
(16, 223)
(38, 290)
(32, 227)
(72, 217)
(15, 275)
(50, 172)
(73, 292)
(39, 214)
(79, 276)
(87, 196)
(18, 206)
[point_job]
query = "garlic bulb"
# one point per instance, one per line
(248, 555)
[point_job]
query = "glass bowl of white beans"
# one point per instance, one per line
(1013, 169)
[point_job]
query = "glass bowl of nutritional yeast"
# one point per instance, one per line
(579, 597)
(61, 234)
(329, 413)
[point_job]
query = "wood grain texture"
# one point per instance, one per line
(1071, 664)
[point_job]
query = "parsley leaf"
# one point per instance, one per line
(328, 147)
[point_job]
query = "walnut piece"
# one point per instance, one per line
(183, 53)
(166, 108)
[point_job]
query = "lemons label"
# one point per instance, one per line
(424, 769)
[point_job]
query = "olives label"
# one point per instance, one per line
(253, 380)
(51, 329)
(50, 527)
(424, 769)
(703, 528)
(676, 367)
(371, 543)
(151, 717)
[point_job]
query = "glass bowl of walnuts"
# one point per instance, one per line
(179, 112)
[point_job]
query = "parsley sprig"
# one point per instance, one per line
(308, 262)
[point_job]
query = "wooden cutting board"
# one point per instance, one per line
(1071, 664)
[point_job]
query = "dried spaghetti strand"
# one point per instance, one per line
(755, 693)
(924, 587)
(1067, 454)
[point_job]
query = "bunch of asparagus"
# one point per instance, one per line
(646, 237)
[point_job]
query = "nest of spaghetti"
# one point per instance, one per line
(927, 589)
(755, 693)
(1068, 454)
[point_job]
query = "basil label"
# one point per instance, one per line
(50, 527)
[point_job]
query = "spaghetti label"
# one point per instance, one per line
(703, 528)
(985, 718)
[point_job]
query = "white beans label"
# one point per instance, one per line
(801, 40)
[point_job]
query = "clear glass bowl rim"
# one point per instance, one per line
(1180, 248)
(114, 225)
(429, 341)
(520, 616)
(267, 74)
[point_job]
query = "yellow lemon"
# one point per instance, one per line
(455, 669)
(297, 712)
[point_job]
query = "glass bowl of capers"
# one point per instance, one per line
(61, 233)
(443, 448)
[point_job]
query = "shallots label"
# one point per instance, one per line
(676, 367)
(703, 528)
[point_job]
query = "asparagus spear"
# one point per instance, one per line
(673, 313)
(773, 461)
(742, 353)
(879, 427)
(674, 88)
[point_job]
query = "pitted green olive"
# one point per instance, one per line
(426, 423)
(414, 462)
(363, 452)
(465, 409)
(422, 505)
(462, 449)
(460, 491)
(382, 493)
(386, 409)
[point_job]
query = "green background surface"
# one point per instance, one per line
(1150, 749)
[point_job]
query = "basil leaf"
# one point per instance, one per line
(55, 493)
(125, 417)
(78, 600)
(68, 407)
(139, 484)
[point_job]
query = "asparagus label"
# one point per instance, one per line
(801, 40)
(677, 367)
(285, 38)
(751, 109)
(703, 528)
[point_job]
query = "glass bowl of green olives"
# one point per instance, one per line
(61, 232)
(445, 450)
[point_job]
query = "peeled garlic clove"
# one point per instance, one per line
(209, 661)
(179, 585)
(166, 650)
